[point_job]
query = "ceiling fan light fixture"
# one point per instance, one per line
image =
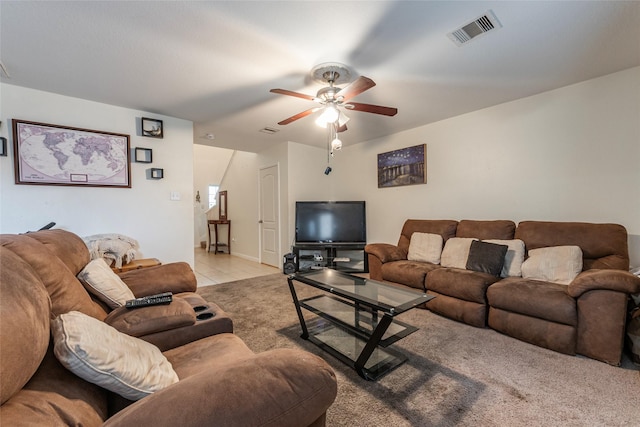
(342, 119)
(330, 114)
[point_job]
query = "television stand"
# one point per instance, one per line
(349, 258)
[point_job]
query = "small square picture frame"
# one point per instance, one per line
(156, 173)
(143, 155)
(3, 146)
(151, 128)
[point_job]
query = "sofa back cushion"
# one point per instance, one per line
(69, 247)
(484, 230)
(426, 247)
(445, 228)
(555, 264)
(604, 246)
(456, 252)
(24, 323)
(56, 397)
(56, 265)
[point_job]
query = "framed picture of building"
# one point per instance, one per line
(407, 166)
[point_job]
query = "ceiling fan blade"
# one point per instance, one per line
(299, 116)
(356, 88)
(292, 93)
(341, 128)
(370, 108)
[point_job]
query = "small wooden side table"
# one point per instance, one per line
(216, 243)
(136, 264)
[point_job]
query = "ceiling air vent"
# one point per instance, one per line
(268, 130)
(475, 28)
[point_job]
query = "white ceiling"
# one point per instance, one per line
(214, 62)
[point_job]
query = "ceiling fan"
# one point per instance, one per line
(332, 98)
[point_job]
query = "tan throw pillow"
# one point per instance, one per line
(101, 355)
(513, 259)
(556, 264)
(425, 247)
(105, 284)
(456, 252)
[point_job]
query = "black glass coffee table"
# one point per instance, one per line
(354, 319)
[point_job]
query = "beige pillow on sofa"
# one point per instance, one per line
(456, 252)
(425, 247)
(105, 284)
(556, 264)
(513, 259)
(99, 354)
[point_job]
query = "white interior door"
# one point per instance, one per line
(269, 217)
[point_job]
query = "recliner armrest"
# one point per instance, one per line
(174, 277)
(614, 280)
(151, 319)
(386, 252)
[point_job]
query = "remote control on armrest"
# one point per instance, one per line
(163, 298)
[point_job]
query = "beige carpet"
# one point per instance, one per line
(456, 374)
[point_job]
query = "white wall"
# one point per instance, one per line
(209, 166)
(164, 228)
(241, 184)
(571, 154)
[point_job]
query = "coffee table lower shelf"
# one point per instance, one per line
(347, 347)
(349, 332)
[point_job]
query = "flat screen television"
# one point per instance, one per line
(331, 222)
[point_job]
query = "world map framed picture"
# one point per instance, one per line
(46, 154)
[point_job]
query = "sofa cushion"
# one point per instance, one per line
(409, 273)
(513, 259)
(67, 246)
(426, 247)
(486, 257)
(471, 313)
(483, 229)
(24, 329)
(101, 281)
(456, 252)
(444, 227)
(540, 332)
(54, 396)
(544, 300)
(64, 288)
(103, 356)
(603, 245)
(558, 264)
(462, 284)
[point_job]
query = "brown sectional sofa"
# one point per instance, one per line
(585, 316)
(220, 381)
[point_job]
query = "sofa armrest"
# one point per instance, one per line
(613, 280)
(386, 252)
(174, 277)
(151, 319)
(284, 387)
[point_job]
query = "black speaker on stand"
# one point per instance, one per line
(289, 263)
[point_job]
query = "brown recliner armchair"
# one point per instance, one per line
(220, 381)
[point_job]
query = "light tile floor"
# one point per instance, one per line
(212, 269)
